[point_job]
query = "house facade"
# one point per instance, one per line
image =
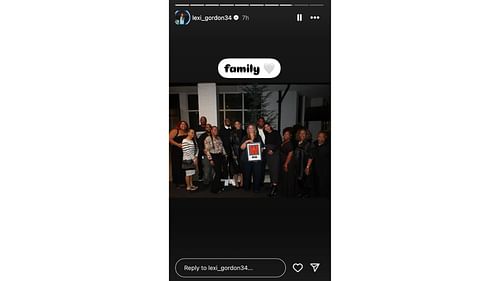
(282, 105)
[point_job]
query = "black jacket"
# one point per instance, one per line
(322, 156)
(236, 138)
(201, 143)
(225, 136)
(273, 141)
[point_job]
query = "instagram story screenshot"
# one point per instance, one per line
(250, 140)
(231, 140)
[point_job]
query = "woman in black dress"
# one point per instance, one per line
(321, 165)
(303, 160)
(288, 178)
(236, 137)
(175, 139)
(272, 152)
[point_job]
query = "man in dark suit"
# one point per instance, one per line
(202, 126)
(225, 135)
(202, 130)
(260, 131)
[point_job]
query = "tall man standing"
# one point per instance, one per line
(261, 132)
(225, 135)
(202, 126)
(200, 130)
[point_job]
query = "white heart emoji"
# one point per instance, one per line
(269, 67)
(297, 267)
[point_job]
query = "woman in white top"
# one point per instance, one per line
(190, 159)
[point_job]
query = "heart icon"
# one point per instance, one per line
(297, 267)
(269, 67)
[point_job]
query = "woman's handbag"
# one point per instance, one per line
(188, 165)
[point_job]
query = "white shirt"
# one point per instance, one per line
(189, 150)
(262, 135)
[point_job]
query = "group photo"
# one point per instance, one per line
(255, 141)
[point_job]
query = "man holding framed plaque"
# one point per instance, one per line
(251, 159)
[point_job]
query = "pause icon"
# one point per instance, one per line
(299, 17)
(315, 266)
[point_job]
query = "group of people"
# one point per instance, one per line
(298, 166)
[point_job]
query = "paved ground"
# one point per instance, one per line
(230, 192)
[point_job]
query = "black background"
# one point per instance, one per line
(295, 230)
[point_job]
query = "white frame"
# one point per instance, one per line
(254, 157)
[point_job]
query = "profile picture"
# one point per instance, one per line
(182, 17)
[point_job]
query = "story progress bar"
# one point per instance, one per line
(249, 5)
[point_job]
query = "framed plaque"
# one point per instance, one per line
(254, 152)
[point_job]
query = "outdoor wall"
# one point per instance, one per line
(289, 110)
(207, 101)
(273, 107)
